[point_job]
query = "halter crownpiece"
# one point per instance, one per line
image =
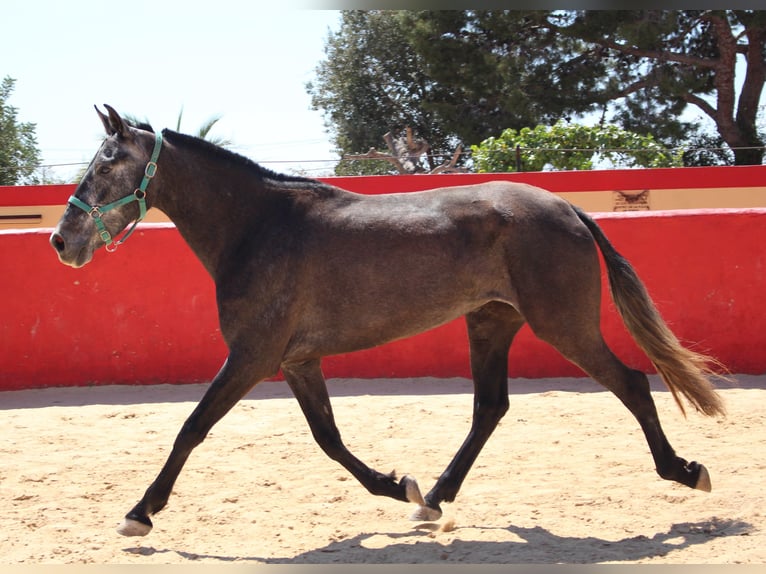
(138, 195)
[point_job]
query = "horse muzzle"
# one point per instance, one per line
(71, 252)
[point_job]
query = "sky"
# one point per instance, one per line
(151, 58)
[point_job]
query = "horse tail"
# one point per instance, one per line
(683, 371)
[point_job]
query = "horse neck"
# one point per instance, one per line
(209, 206)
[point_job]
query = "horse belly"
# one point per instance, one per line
(381, 299)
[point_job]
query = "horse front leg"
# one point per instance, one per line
(231, 383)
(308, 385)
(491, 330)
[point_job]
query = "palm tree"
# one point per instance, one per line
(204, 130)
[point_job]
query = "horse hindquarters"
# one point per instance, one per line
(560, 297)
(685, 372)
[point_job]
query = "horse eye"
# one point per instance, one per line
(104, 169)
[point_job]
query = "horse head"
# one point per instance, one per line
(111, 194)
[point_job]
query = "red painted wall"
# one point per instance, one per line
(146, 314)
(560, 181)
(572, 181)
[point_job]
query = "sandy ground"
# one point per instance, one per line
(566, 478)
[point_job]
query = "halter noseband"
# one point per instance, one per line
(138, 195)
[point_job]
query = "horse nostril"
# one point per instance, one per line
(58, 242)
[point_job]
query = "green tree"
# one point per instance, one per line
(490, 70)
(570, 147)
(371, 84)
(465, 75)
(662, 61)
(19, 156)
(643, 67)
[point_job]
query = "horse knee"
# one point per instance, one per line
(497, 413)
(189, 437)
(493, 411)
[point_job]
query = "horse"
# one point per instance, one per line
(303, 269)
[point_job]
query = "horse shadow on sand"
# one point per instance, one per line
(535, 545)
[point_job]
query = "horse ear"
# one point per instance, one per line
(104, 120)
(113, 124)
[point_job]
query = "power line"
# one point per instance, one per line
(464, 153)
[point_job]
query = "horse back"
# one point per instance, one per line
(378, 268)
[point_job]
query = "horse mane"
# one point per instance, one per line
(138, 124)
(216, 151)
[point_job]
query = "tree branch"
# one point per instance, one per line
(415, 148)
(634, 87)
(449, 166)
(701, 104)
(375, 154)
(663, 56)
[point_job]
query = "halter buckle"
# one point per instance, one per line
(151, 169)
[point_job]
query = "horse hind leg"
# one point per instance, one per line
(491, 330)
(560, 297)
(586, 348)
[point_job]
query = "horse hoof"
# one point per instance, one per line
(130, 527)
(426, 514)
(412, 490)
(703, 480)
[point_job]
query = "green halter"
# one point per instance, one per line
(138, 195)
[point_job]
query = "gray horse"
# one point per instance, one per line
(303, 270)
